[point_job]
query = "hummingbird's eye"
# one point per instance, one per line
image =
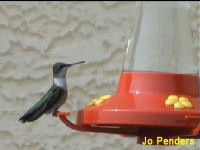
(62, 66)
(58, 67)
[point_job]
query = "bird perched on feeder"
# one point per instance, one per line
(54, 98)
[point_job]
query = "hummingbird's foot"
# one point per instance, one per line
(58, 113)
(55, 113)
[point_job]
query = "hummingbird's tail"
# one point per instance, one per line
(33, 113)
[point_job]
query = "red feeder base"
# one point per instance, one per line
(138, 107)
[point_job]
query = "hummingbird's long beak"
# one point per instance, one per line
(69, 65)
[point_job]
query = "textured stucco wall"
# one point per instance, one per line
(33, 36)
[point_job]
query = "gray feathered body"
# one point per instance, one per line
(54, 98)
(49, 103)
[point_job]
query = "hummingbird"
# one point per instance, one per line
(54, 98)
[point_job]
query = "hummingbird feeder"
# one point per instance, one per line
(158, 89)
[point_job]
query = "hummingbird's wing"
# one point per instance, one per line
(44, 104)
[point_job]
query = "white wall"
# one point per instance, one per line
(33, 36)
